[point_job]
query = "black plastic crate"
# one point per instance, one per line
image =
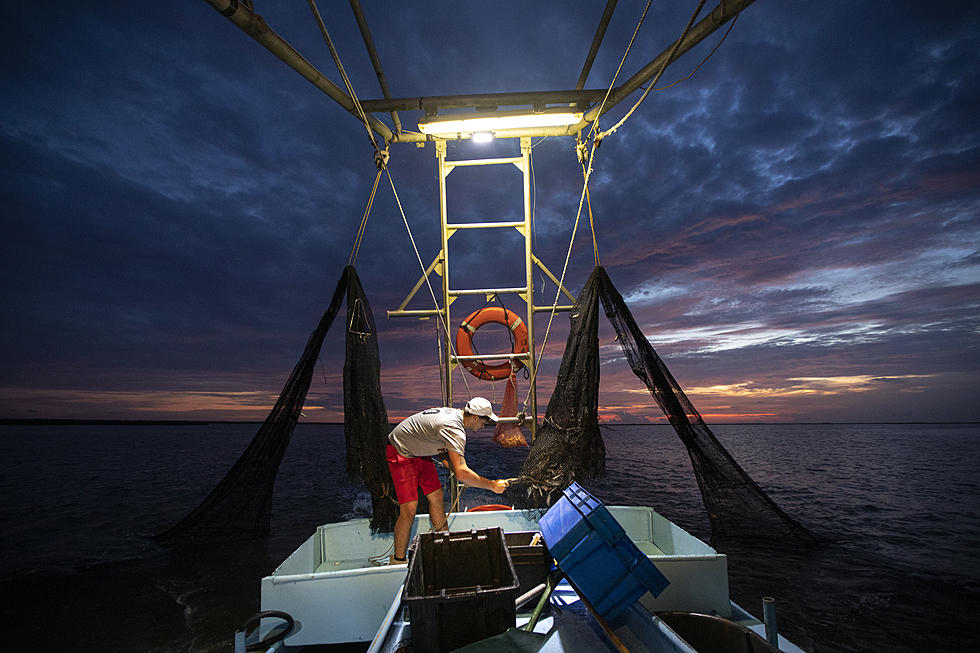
(532, 562)
(460, 588)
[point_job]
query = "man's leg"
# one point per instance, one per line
(403, 527)
(437, 511)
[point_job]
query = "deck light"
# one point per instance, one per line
(482, 137)
(473, 123)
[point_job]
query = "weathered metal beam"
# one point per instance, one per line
(724, 12)
(252, 24)
(355, 5)
(600, 32)
(482, 100)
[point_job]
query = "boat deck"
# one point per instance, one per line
(333, 568)
(340, 564)
(571, 628)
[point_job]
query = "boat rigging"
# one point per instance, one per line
(566, 446)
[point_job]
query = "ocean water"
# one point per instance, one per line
(896, 507)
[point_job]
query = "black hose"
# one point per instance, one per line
(265, 643)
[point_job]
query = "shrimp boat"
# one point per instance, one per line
(332, 589)
(332, 594)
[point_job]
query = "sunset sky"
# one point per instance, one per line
(796, 227)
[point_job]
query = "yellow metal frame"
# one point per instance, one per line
(440, 265)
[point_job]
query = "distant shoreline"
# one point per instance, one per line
(15, 421)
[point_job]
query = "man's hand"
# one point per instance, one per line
(498, 486)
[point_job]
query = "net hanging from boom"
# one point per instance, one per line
(569, 446)
(242, 500)
(365, 417)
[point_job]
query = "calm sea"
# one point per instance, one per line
(897, 508)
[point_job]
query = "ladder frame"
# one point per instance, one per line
(446, 231)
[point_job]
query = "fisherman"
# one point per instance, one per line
(433, 432)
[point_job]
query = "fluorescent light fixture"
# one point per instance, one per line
(471, 123)
(482, 137)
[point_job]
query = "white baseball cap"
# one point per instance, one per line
(480, 406)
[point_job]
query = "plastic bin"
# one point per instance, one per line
(531, 563)
(592, 548)
(460, 588)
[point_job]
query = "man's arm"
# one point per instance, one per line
(467, 476)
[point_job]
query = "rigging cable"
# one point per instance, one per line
(432, 294)
(596, 139)
(703, 61)
(588, 199)
(622, 62)
(380, 156)
(343, 74)
(585, 186)
(663, 67)
(367, 212)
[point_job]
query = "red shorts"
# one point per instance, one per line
(410, 474)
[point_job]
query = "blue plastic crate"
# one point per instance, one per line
(592, 548)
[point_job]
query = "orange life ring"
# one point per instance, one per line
(489, 506)
(487, 315)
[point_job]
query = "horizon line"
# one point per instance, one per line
(53, 421)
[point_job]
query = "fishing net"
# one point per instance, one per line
(569, 446)
(736, 505)
(365, 417)
(509, 434)
(242, 500)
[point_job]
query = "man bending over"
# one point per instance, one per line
(432, 432)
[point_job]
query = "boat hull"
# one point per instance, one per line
(336, 596)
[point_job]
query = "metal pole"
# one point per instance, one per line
(769, 618)
(485, 100)
(600, 32)
(355, 5)
(252, 24)
(720, 15)
(444, 171)
(529, 275)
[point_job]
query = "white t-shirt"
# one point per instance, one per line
(429, 432)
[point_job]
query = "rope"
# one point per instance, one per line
(376, 561)
(622, 62)
(585, 186)
(343, 74)
(670, 57)
(587, 170)
(588, 198)
(364, 219)
(561, 282)
(703, 61)
(432, 294)
(380, 156)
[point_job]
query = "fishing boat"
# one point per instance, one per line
(333, 594)
(337, 587)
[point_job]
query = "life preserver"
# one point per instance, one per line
(487, 315)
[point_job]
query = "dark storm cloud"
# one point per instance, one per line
(178, 204)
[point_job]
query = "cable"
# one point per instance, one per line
(432, 294)
(595, 123)
(703, 61)
(367, 212)
(670, 57)
(343, 74)
(588, 198)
